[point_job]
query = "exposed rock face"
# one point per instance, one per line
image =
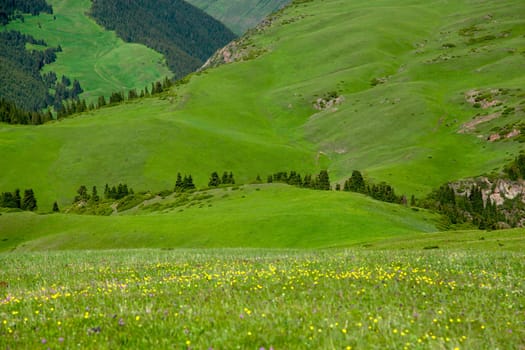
(497, 190)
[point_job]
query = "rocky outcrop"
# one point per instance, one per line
(495, 190)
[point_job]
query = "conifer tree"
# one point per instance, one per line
(215, 180)
(94, 194)
(188, 184)
(29, 200)
(179, 184)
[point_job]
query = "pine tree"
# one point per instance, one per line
(55, 207)
(214, 180)
(29, 200)
(307, 181)
(356, 183)
(17, 200)
(323, 181)
(82, 194)
(179, 184)
(476, 199)
(101, 102)
(132, 94)
(188, 184)
(94, 194)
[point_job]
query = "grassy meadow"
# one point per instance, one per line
(255, 299)
(258, 216)
(101, 61)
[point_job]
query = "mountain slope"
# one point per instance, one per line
(101, 61)
(186, 35)
(239, 16)
(404, 102)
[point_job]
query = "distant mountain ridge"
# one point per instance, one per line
(239, 16)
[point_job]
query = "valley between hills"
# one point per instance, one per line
(318, 174)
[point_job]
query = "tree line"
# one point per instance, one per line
(382, 191)
(319, 182)
(23, 85)
(184, 34)
(469, 208)
(75, 106)
(110, 192)
(14, 200)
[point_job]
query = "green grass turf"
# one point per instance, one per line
(239, 16)
(254, 299)
(272, 216)
(97, 58)
(501, 240)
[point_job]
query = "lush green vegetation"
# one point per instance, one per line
(184, 34)
(254, 299)
(97, 58)
(262, 215)
(239, 16)
(268, 123)
(21, 82)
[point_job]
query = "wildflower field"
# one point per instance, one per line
(263, 299)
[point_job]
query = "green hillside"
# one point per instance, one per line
(272, 216)
(239, 16)
(101, 61)
(399, 76)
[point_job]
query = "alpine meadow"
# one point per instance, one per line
(306, 174)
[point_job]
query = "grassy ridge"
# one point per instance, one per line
(101, 61)
(272, 216)
(239, 16)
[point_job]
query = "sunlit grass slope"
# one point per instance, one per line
(101, 61)
(257, 116)
(273, 216)
(239, 15)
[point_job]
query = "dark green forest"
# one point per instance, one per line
(20, 78)
(25, 91)
(12, 9)
(186, 35)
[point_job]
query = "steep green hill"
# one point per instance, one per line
(101, 61)
(239, 16)
(402, 93)
(186, 35)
